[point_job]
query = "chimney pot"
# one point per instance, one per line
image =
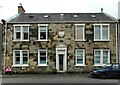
(101, 10)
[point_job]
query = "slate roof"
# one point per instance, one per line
(61, 17)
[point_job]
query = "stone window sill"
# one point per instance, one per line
(20, 65)
(80, 40)
(42, 65)
(42, 40)
(20, 40)
(80, 65)
(102, 40)
(100, 65)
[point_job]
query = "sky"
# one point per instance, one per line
(8, 8)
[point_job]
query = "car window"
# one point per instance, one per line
(115, 66)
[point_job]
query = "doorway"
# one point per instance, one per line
(61, 59)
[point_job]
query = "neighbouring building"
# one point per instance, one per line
(66, 42)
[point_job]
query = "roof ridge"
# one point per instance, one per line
(66, 13)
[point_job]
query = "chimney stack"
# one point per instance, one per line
(20, 9)
(101, 10)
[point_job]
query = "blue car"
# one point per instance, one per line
(109, 70)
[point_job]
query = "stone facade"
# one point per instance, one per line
(53, 39)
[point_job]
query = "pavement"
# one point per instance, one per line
(53, 78)
(42, 75)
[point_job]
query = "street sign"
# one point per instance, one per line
(8, 69)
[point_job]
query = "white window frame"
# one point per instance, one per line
(39, 58)
(39, 32)
(101, 56)
(21, 32)
(21, 59)
(83, 57)
(83, 32)
(101, 36)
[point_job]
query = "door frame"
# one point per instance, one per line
(64, 52)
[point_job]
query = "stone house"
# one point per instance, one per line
(0, 45)
(66, 42)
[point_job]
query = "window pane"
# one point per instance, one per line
(79, 53)
(17, 53)
(97, 32)
(17, 60)
(25, 36)
(43, 57)
(25, 57)
(25, 53)
(97, 53)
(25, 60)
(42, 53)
(42, 28)
(79, 26)
(17, 28)
(97, 57)
(25, 28)
(25, 32)
(105, 32)
(43, 32)
(105, 60)
(17, 57)
(105, 57)
(18, 34)
(105, 53)
(42, 60)
(79, 32)
(79, 61)
(43, 35)
(79, 56)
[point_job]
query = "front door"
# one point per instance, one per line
(61, 61)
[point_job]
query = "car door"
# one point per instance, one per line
(114, 72)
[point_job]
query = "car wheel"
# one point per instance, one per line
(102, 76)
